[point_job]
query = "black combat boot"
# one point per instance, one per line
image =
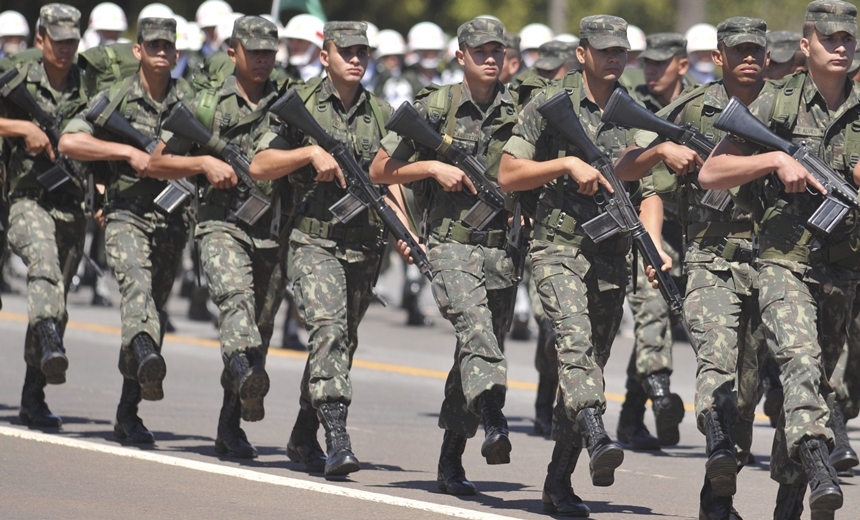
(34, 411)
(54, 360)
(547, 388)
(713, 507)
(842, 458)
(251, 383)
(605, 454)
(632, 431)
(668, 408)
(789, 501)
(303, 446)
(721, 468)
(451, 477)
(558, 497)
(774, 394)
(128, 426)
(825, 496)
(151, 368)
(497, 446)
(340, 461)
(231, 440)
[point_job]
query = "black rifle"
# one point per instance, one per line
(407, 122)
(64, 169)
(361, 191)
(250, 204)
(737, 120)
(623, 110)
(178, 190)
(619, 214)
(518, 250)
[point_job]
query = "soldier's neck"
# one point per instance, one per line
(481, 93)
(746, 93)
(830, 85)
(250, 90)
(58, 77)
(346, 92)
(672, 94)
(156, 85)
(598, 90)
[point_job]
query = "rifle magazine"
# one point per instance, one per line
(347, 207)
(252, 209)
(716, 199)
(171, 197)
(480, 215)
(54, 177)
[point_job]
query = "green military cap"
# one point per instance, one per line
(479, 31)
(603, 31)
(663, 46)
(346, 34)
(151, 29)
(742, 29)
(512, 41)
(782, 45)
(832, 16)
(256, 33)
(553, 54)
(60, 21)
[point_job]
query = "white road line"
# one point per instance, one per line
(247, 474)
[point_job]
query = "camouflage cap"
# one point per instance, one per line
(151, 29)
(742, 29)
(512, 41)
(479, 31)
(832, 16)
(553, 54)
(663, 46)
(782, 45)
(256, 33)
(346, 34)
(603, 31)
(60, 21)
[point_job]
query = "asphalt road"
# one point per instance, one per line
(81, 471)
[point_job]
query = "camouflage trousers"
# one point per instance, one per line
(472, 288)
(332, 296)
(246, 281)
(144, 253)
(805, 319)
(721, 308)
(652, 321)
(847, 388)
(50, 241)
(546, 358)
(582, 296)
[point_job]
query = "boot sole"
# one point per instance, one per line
(54, 368)
(497, 449)
(348, 465)
(29, 421)
(668, 419)
(462, 491)
(826, 503)
(602, 466)
(150, 374)
(223, 450)
(723, 473)
(844, 462)
(317, 466)
(254, 388)
(120, 434)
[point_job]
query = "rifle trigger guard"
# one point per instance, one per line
(446, 143)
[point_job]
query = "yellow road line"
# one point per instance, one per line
(372, 365)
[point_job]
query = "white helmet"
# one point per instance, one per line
(534, 35)
(566, 37)
(389, 43)
(636, 37)
(212, 12)
(107, 16)
(155, 11)
(225, 26)
(182, 41)
(701, 37)
(13, 23)
(451, 50)
(196, 38)
(372, 35)
(88, 40)
(426, 36)
(305, 27)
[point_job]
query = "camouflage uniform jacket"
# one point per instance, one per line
(651, 102)
(22, 166)
(363, 234)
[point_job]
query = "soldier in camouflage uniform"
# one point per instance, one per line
(721, 292)
(46, 228)
(555, 58)
(580, 283)
(785, 55)
(471, 271)
(806, 282)
(241, 261)
(333, 265)
(143, 244)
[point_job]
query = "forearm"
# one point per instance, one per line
(651, 214)
(387, 170)
(84, 147)
(14, 127)
(636, 162)
(165, 165)
(273, 164)
(727, 167)
(525, 174)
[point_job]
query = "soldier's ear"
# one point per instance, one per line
(683, 66)
(137, 51)
(717, 56)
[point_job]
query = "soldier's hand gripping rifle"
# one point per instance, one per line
(407, 122)
(737, 120)
(177, 190)
(251, 205)
(619, 214)
(64, 168)
(362, 192)
(623, 110)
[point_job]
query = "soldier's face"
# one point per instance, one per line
(605, 64)
(58, 53)
(158, 56)
(831, 53)
(345, 64)
(254, 66)
(482, 64)
(744, 62)
(662, 76)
